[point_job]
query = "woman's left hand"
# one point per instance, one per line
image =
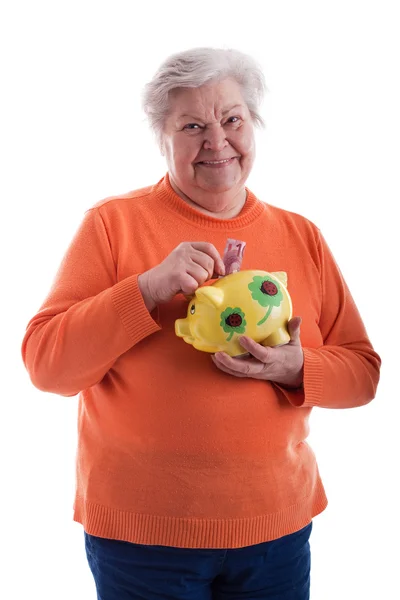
(282, 365)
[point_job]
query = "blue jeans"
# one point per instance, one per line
(275, 570)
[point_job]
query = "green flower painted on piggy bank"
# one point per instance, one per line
(232, 321)
(267, 292)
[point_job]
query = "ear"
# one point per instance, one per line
(160, 142)
(210, 295)
(281, 276)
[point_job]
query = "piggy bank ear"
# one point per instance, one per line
(281, 275)
(210, 295)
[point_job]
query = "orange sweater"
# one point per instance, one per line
(171, 450)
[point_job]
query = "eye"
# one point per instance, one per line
(192, 126)
(192, 309)
(237, 119)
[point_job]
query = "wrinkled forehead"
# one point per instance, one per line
(207, 102)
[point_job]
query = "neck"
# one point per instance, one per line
(233, 210)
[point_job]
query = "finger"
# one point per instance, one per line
(261, 353)
(204, 260)
(199, 273)
(294, 330)
(255, 371)
(222, 367)
(188, 297)
(211, 250)
(188, 285)
(247, 366)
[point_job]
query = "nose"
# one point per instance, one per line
(215, 138)
(182, 328)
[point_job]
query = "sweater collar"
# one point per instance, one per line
(251, 210)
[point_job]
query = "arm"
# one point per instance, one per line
(344, 371)
(88, 320)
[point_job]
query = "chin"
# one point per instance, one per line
(221, 188)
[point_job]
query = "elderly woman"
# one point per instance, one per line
(194, 477)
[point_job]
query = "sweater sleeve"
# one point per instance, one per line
(344, 371)
(88, 318)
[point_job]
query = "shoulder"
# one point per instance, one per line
(130, 211)
(129, 197)
(293, 221)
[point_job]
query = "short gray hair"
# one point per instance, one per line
(193, 68)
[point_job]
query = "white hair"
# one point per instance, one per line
(193, 68)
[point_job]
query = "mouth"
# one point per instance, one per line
(217, 164)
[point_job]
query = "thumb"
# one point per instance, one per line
(294, 330)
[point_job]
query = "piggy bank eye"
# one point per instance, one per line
(192, 309)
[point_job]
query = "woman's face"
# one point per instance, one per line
(206, 125)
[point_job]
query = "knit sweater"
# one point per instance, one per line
(171, 450)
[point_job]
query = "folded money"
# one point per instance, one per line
(233, 255)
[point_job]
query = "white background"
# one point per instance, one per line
(72, 133)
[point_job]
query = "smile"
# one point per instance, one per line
(217, 163)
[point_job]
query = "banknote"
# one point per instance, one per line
(233, 255)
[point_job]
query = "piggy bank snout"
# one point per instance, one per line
(182, 328)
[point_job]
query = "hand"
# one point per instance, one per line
(282, 365)
(187, 267)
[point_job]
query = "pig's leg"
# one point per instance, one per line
(278, 338)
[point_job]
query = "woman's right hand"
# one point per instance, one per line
(187, 267)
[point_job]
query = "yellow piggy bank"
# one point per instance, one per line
(252, 303)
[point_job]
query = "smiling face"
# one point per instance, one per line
(208, 142)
